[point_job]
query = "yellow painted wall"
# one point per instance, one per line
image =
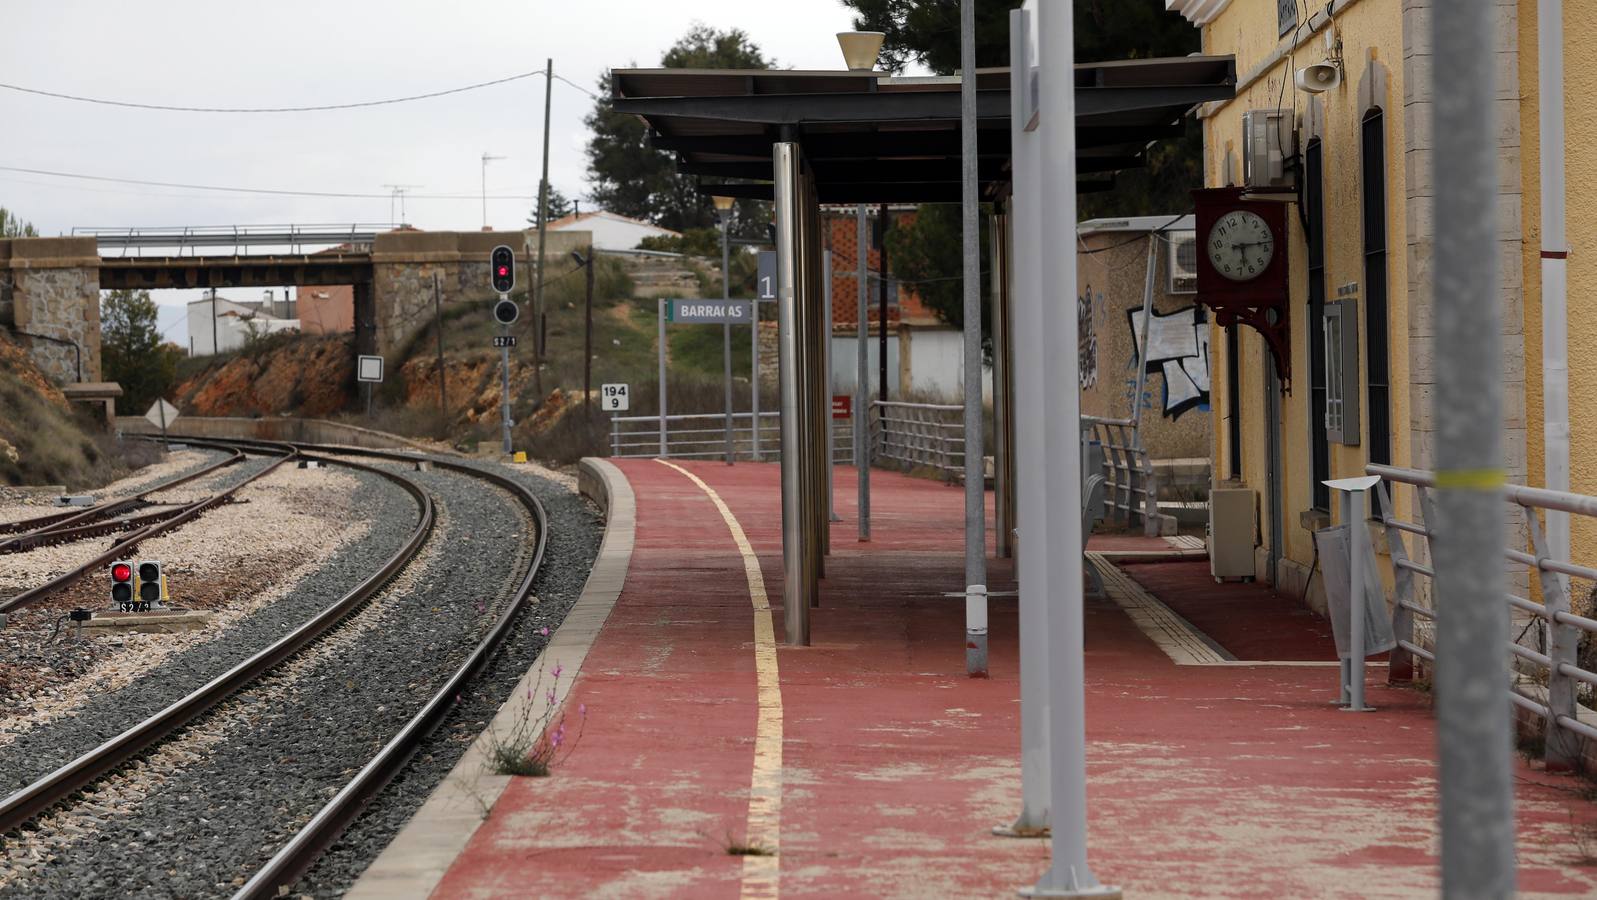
(1369, 29)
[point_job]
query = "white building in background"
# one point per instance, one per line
(611, 231)
(236, 321)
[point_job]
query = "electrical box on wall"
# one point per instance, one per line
(1232, 515)
(1269, 139)
(1183, 263)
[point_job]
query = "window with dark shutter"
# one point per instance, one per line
(1376, 361)
(1314, 221)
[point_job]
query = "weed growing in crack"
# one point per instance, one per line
(538, 741)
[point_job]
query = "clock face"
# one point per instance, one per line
(1240, 245)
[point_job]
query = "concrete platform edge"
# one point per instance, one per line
(415, 861)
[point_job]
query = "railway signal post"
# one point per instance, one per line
(502, 271)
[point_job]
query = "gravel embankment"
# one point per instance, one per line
(575, 531)
(236, 558)
(218, 800)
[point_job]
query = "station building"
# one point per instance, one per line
(1352, 164)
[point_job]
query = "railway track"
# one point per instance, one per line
(298, 852)
(94, 521)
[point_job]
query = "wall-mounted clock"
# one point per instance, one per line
(1242, 269)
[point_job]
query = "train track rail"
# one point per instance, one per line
(127, 543)
(38, 525)
(296, 855)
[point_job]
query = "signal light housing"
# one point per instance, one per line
(121, 584)
(502, 268)
(150, 585)
(506, 312)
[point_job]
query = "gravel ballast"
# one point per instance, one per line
(274, 754)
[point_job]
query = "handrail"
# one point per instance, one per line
(1554, 661)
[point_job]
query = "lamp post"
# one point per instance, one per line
(723, 212)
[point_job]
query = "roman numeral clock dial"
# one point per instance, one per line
(1240, 245)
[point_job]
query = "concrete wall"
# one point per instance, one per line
(1111, 273)
(404, 262)
(51, 287)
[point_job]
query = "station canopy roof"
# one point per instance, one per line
(873, 138)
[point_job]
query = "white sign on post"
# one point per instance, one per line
(369, 368)
(614, 398)
(162, 414)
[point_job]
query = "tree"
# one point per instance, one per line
(131, 352)
(559, 206)
(629, 176)
(927, 255)
(11, 226)
(927, 32)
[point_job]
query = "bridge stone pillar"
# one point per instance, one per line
(403, 265)
(50, 297)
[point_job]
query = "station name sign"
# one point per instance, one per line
(710, 312)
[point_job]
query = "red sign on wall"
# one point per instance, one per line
(842, 406)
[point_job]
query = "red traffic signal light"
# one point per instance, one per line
(503, 268)
(121, 584)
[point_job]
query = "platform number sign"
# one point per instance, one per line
(614, 398)
(765, 273)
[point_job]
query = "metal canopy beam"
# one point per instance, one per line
(882, 171)
(798, 109)
(850, 145)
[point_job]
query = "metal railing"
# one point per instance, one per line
(240, 238)
(1131, 493)
(703, 436)
(919, 436)
(1548, 679)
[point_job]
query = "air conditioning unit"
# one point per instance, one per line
(1183, 268)
(1269, 139)
(1233, 515)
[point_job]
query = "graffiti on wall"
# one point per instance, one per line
(1178, 348)
(1087, 338)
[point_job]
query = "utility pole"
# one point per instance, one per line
(1473, 734)
(486, 159)
(975, 488)
(723, 211)
(587, 336)
(216, 348)
(543, 231)
(881, 362)
(862, 385)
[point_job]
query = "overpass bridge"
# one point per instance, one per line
(50, 287)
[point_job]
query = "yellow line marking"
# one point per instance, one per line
(1471, 479)
(761, 874)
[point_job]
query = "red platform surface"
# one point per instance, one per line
(1203, 781)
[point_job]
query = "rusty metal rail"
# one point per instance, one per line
(44, 793)
(294, 858)
(40, 524)
(127, 544)
(300, 852)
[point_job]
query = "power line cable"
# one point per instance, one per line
(325, 107)
(268, 191)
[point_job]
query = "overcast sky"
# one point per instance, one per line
(298, 53)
